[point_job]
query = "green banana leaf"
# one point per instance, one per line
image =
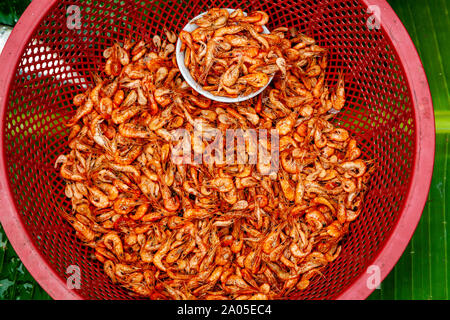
(15, 281)
(423, 270)
(11, 10)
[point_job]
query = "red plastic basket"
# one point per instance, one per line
(47, 61)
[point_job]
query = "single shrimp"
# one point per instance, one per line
(286, 187)
(319, 87)
(118, 98)
(200, 102)
(126, 205)
(197, 213)
(111, 191)
(255, 34)
(81, 112)
(237, 40)
(174, 254)
(171, 201)
(98, 135)
(105, 107)
(79, 99)
(160, 96)
(167, 50)
(87, 233)
(339, 134)
(257, 17)
(280, 273)
(121, 115)
(229, 30)
(130, 99)
(125, 169)
(98, 198)
(110, 270)
(67, 172)
(113, 242)
(220, 184)
(257, 79)
(131, 155)
(338, 96)
(230, 76)
(286, 125)
(186, 39)
(236, 14)
(130, 130)
(214, 18)
(202, 34)
(112, 65)
(353, 153)
(160, 254)
(355, 168)
(211, 48)
(271, 241)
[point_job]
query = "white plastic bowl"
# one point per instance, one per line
(187, 75)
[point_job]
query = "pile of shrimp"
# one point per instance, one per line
(164, 229)
(229, 55)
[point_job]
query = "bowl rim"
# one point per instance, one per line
(388, 255)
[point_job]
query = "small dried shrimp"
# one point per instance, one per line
(167, 224)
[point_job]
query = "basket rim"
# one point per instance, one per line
(386, 258)
(10, 219)
(422, 169)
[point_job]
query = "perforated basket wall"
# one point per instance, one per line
(59, 59)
